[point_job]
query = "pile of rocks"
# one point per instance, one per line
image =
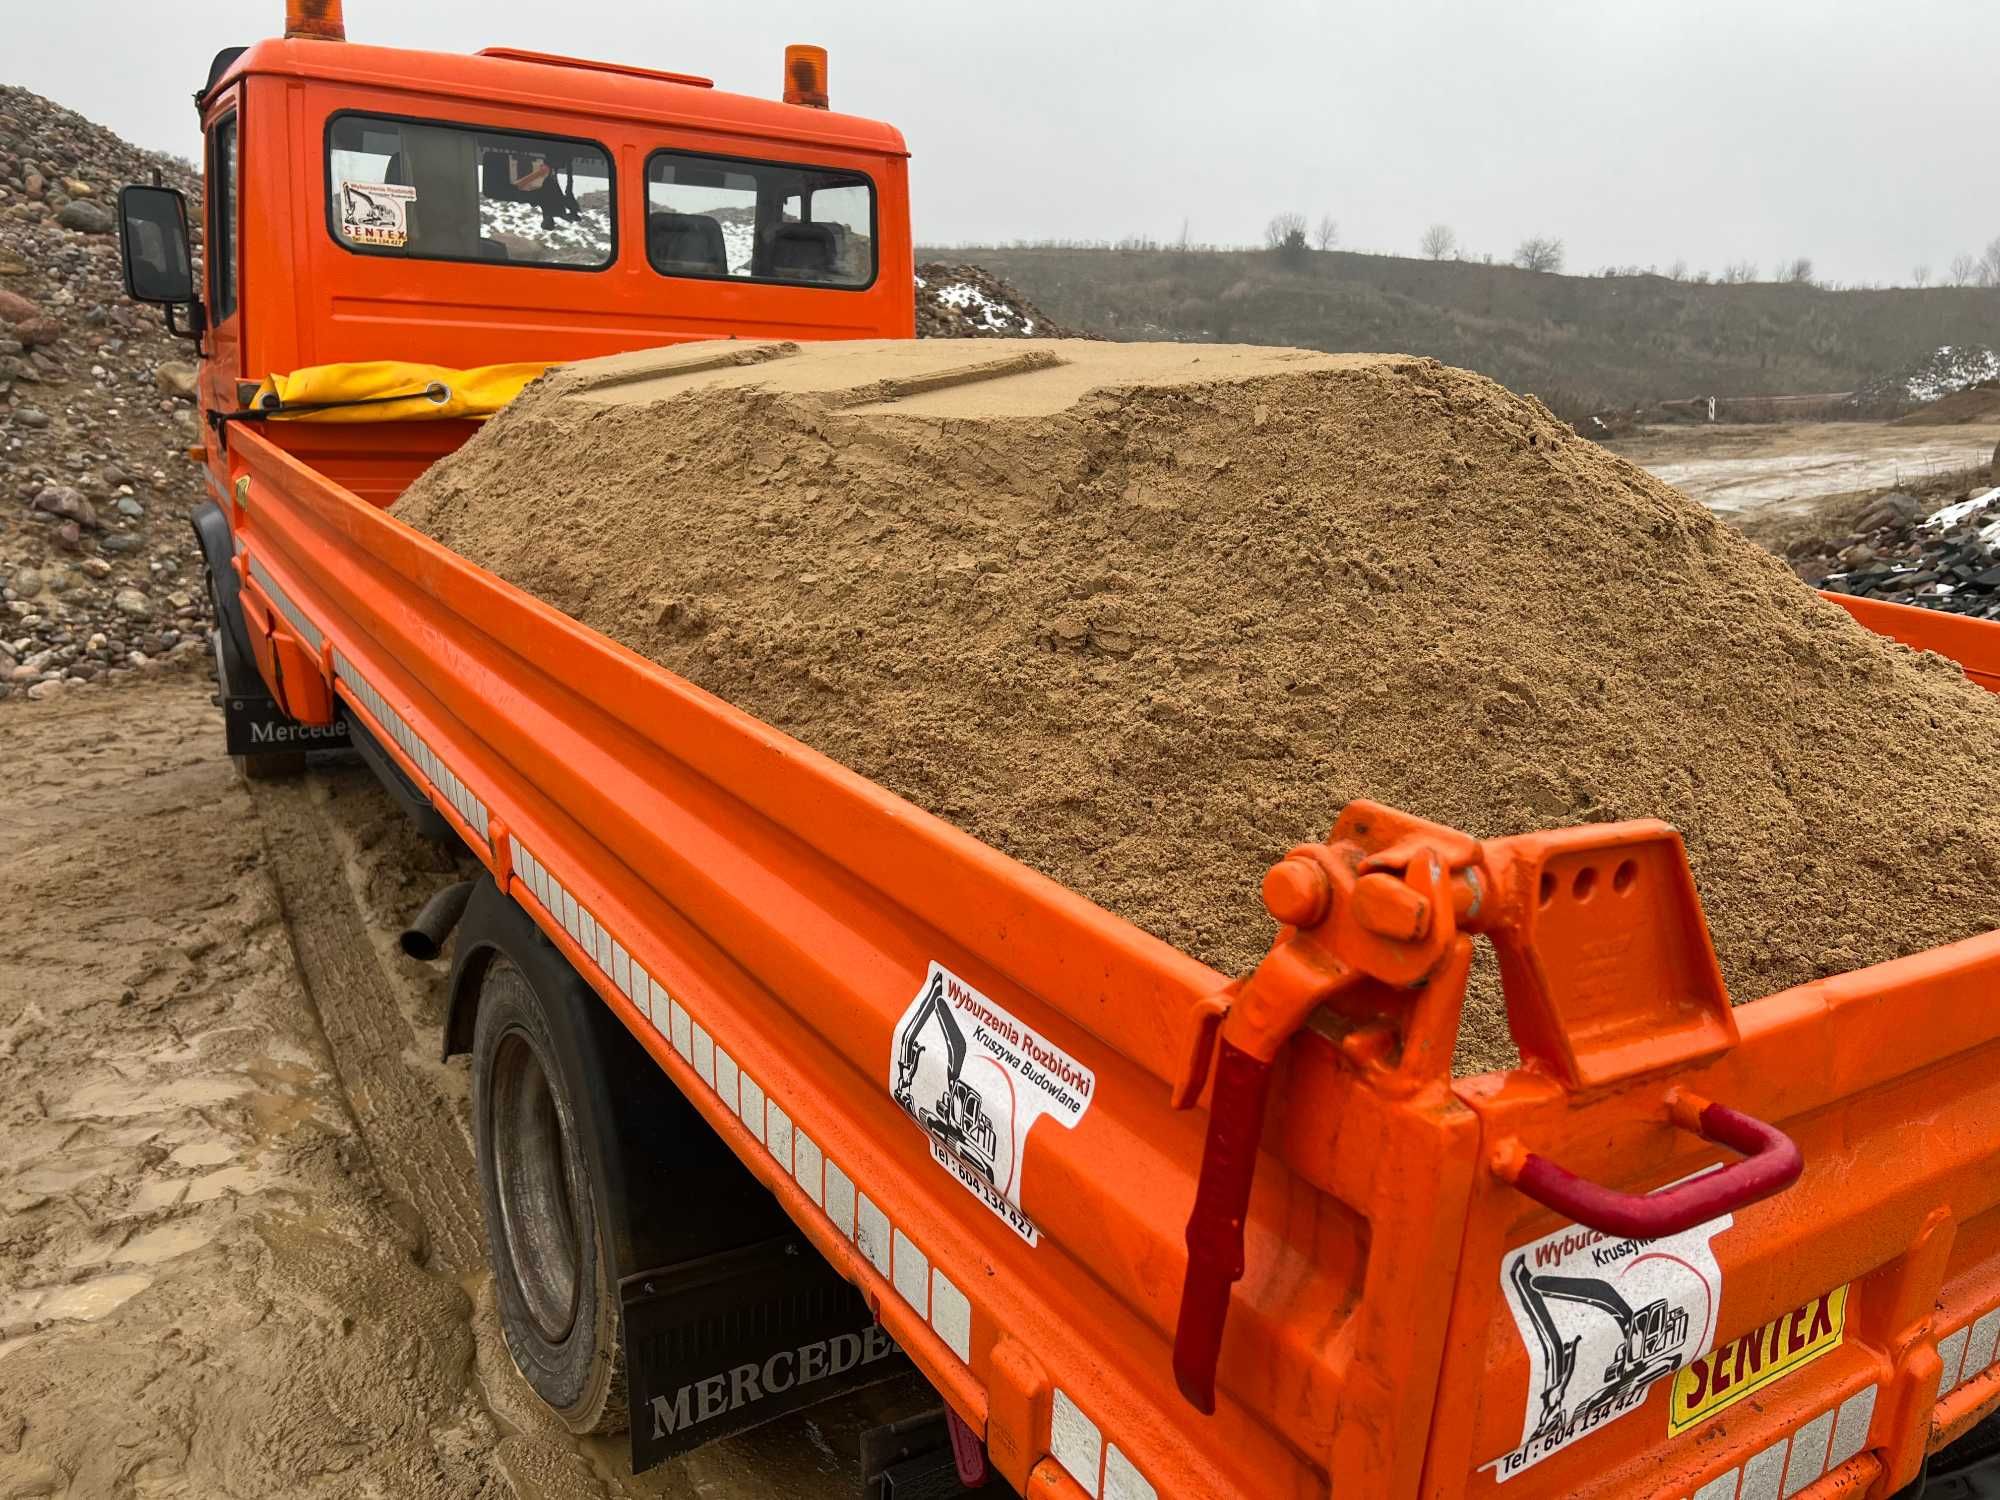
(967, 302)
(1912, 551)
(99, 576)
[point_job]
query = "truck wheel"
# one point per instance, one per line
(557, 1301)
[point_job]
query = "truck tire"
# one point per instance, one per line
(556, 1292)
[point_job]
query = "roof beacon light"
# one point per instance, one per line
(805, 76)
(316, 20)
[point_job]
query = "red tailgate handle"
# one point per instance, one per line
(1771, 1163)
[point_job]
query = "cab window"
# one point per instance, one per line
(742, 220)
(222, 219)
(427, 191)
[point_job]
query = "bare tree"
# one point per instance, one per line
(1439, 241)
(1920, 276)
(1989, 265)
(1539, 253)
(1327, 235)
(1678, 271)
(1963, 269)
(1739, 273)
(1285, 235)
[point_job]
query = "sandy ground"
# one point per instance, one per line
(1742, 469)
(240, 1250)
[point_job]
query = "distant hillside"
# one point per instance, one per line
(1581, 343)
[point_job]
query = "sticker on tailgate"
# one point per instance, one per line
(1722, 1377)
(1604, 1319)
(977, 1077)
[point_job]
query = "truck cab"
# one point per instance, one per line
(380, 204)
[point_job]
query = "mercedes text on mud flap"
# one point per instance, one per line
(719, 993)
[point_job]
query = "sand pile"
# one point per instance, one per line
(1143, 616)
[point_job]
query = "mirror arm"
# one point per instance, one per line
(197, 322)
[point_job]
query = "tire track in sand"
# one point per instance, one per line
(418, 1150)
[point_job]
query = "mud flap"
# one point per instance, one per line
(252, 722)
(730, 1341)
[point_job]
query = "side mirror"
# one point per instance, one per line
(153, 235)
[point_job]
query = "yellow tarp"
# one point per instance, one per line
(389, 390)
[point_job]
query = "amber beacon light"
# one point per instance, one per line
(805, 76)
(316, 19)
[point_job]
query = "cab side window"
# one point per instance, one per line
(422, 190)
(222, 268)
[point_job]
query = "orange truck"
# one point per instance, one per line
(781, 1084)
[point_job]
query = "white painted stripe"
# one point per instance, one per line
(1850, 1432)
(1075, 1441)
(778, 1134)
(753, 1107)
(1808, 1460)
(662, 1009)
(806, 1164)
(571, 916)
(871, 1232)
(704, 1052)
(911, 1274)
(1763, 1473)
(725, 1080)
(1722, 1487)
(586, 931)
(621, 968)
(840, 1199)
(1123, 1482)
(602, 947)
(951, 1317)
(1980, 1348)
(517, 857)
(1951, 1351)
(683, 1032)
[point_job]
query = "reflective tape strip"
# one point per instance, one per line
(1763, 1474)
(1808, 1457)
(289, 610)
(1075, 1440)
(1979, 1349)
(1850, 1430)
(445, 782)
(1951, 1353)
(1722, 1487)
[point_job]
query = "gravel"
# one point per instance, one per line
(96, 410)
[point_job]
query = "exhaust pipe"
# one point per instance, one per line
(425, 937)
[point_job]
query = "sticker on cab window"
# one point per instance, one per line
(1604, 1319)
(376, 213)
(1724, 1376)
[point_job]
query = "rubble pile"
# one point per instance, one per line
(965, 302)
(1911, 551)
(99, 576)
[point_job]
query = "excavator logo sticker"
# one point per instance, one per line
(1604, 1320)
(376, 213)
(976, 1078)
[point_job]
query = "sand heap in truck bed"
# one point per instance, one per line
(1144, 616)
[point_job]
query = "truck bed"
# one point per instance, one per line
(764, 922)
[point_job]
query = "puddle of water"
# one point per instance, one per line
(203, 1154)
(116, 1097)
(164, 1242)
(81, 1302)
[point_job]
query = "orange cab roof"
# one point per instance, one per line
(571, 86)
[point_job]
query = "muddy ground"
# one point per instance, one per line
(240, 1248)
(1767, 469)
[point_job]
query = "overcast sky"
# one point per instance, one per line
(1859, 134)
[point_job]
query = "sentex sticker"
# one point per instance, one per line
(976, 1078)
(1722, 1377)
(1604, 1320)
(376, 213)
